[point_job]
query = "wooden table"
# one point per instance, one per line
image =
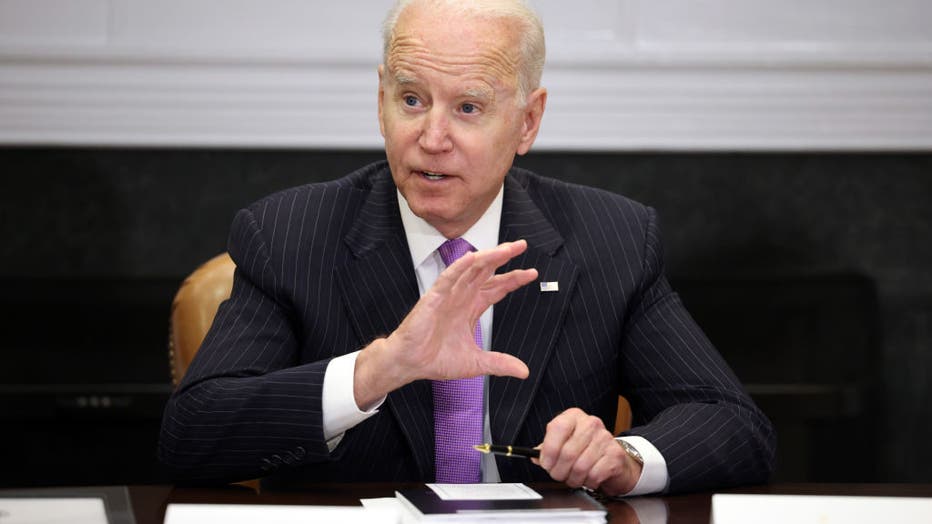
(149, 502)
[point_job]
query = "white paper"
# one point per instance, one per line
(274, 514)
(489, 491)
(387, 505)
(812, 509)
(40, 510)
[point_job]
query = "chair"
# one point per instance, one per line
(622, 416)
(193, 311)
(196, 304)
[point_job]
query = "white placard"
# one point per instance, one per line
(503, 491)
(40, 510)
(812, 509)
(274, 514)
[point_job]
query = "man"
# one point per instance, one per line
(348, 349)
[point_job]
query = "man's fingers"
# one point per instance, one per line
(606, 467)
(505, 251)
(497, 287)
(573, 448)
(559, 430)
(438, 333)
(585, 471)
(502, 365)
(459, 283)
(579, 451)
(585, 430)
(488, 260)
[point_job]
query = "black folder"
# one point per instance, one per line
(556, 504)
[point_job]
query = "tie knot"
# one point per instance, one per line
(453, 250)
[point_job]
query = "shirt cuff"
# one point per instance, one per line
(654, 476)
(338, 403)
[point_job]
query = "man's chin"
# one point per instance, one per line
(432, 216)
(439, 217)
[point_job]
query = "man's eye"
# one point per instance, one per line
(411, 100)
(468, 108)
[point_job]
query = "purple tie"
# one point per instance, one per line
(458, 411)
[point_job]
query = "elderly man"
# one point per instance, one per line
(361, 342)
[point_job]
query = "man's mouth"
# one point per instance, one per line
(429, 175)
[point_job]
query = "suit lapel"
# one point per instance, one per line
(527, 322)
(379, 288)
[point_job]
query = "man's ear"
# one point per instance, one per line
(533, 113)
(381, 97)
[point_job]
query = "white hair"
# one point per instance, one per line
(529, 27)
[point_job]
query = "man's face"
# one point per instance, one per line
(448, 112)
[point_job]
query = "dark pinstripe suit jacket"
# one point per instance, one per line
(323, 269)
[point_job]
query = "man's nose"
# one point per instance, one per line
(435, 135)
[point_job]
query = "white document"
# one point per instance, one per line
(40, 510)
(274, 514)
(487, 491)
(387, 505)
(813, 509)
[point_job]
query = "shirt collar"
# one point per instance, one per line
(423, 239)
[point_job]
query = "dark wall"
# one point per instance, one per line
(811, 272)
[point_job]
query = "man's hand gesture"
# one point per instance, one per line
(436, 341)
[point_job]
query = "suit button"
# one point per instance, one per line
(300, 453)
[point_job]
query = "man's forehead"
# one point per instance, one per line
(414, 62)
(441, 40)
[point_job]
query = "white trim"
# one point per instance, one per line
(670, 99)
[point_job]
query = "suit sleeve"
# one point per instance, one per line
(245, 407)
(685, 399)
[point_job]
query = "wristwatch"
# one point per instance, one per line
(631, 451)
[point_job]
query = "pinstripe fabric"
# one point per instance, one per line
(323, 269)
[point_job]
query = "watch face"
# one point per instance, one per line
(632, 452)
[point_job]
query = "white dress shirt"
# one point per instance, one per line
(340, 411)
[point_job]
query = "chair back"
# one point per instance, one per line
(193, 311)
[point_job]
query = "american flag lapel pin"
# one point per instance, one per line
(549, 287)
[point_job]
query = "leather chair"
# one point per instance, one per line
(196, 304)
(193, 311)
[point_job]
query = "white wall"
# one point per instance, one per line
(622, 75)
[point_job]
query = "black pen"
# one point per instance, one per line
(509, 451)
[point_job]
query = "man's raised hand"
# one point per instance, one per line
(436, 339)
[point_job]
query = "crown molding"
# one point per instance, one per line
(769, 99)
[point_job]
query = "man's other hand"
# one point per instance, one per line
(436, 340)
(579, 451)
